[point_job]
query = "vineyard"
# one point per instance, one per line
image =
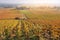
(31, 26)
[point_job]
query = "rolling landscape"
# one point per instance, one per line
(29, 22)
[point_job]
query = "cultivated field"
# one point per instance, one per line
(33, 24)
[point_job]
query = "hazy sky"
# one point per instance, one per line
(48, 2)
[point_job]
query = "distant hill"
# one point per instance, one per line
(8, 5)
(24, 7)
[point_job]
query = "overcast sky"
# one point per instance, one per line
(51, 2)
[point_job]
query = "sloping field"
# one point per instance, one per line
(34, 25)
(10, 14)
